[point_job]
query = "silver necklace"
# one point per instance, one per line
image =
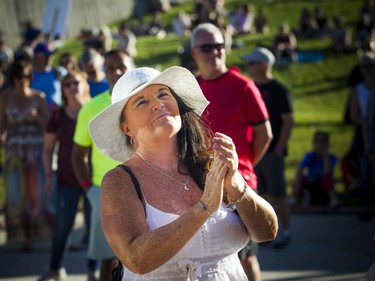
(184, 184)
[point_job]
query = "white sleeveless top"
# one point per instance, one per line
(211, 254)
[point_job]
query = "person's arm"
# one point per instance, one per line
(262, 136)
(48, 148)
(292, 41)
(354, 110)
(327, 165)
(82, 144)
(131, 240)
(297, 182)
(2, 125)
(80, 164)
(255, 212)
(285, 132)
(302, 172)
(39, 114)
(43, 112)
(369, 131)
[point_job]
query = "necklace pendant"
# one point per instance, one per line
(186, 188)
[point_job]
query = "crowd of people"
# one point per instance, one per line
(161, 148)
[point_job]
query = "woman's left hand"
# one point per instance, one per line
(226, 151)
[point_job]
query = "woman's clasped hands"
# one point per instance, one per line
(223, 173)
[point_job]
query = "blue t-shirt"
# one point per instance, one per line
(97, 88)
(48, 83)
(314, 165)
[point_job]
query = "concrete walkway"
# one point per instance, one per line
(324, 247)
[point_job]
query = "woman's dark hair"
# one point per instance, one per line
(194, 142)
(322, 135)
(19, 68)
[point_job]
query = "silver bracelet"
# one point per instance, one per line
(204, 208)
(231, 206)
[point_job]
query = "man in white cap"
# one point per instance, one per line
(236, 109)
(270, 170)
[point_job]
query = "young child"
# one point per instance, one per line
(315, 173)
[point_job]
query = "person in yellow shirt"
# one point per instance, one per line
(90, 173)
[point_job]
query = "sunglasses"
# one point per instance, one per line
(73, 83)
(23, 76)
(207, 48)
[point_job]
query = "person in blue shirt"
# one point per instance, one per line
(45, 76)
(314, 174)
(92, 63)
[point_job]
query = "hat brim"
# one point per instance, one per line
(104, 127)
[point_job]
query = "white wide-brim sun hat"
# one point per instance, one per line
(105, 127)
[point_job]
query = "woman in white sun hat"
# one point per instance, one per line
(167, 211)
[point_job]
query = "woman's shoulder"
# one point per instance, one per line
(121, 183)
(119, 175)
(38, 94)
(4, 93)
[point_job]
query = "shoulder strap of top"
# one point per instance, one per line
(118, 271)
(134, 180)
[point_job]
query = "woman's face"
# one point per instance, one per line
(152, 113)
(321, 144)
(23, 79)
(73, 86)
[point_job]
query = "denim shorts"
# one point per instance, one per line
(270, 173)
(251, 249)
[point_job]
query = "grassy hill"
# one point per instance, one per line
(319, 89)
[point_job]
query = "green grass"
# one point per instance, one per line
(319, 89)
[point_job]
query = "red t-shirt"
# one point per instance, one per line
(235, 106)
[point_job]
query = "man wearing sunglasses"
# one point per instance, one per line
(237, 109)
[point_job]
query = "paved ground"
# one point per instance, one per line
(324, 247)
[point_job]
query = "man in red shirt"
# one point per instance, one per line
(236, 109)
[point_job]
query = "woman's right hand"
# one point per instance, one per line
(212, 195)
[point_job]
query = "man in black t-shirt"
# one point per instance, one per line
(270, 170)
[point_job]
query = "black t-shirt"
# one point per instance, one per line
(355, 76)
(278, 100)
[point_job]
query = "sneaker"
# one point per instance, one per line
(54, 275)
(281, 240)
(91, 276)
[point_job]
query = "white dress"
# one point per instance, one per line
(211, 255)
